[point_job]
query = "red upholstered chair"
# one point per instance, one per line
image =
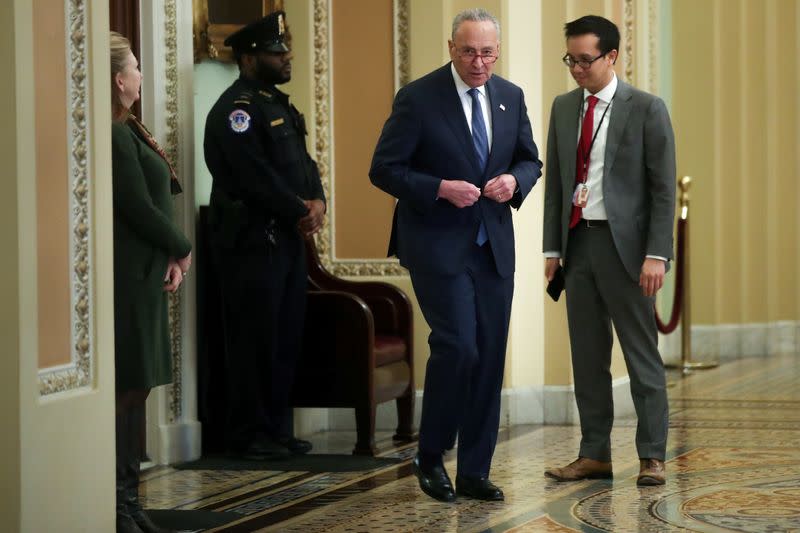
(358, 351)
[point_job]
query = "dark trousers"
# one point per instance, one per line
(600, 292)
(468, 315)
(263, 290)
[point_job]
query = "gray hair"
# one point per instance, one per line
(474, 15)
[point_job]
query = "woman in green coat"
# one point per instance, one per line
(151, 256)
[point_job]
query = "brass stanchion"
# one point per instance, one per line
(686, 364)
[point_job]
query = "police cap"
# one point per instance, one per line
(265, 35)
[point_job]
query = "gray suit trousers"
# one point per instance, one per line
(600, 292)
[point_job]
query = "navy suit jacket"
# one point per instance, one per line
(427, 139)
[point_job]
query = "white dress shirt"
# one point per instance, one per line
(466, 103)
(595, 207)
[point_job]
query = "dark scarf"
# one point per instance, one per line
(136, 125)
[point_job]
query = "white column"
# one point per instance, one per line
(521, 48)
(167, 109)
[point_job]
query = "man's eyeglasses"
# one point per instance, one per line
(583, 63)
(469, 55)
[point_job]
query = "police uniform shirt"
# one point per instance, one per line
(255, 149)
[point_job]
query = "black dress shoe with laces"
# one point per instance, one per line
(261, 448)
(434, 481)
(146, 524)
(125, 524)
(295, 446)
(479, 489)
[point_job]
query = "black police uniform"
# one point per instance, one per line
(256, 152)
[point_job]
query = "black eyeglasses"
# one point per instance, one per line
(469, 55)
(583, 63)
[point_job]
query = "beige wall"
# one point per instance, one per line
(363, 88)
(52, 180)
(57, 451)
(10, 401)
(522, 63)
(300, 17)
(735, 111)
(557, 367)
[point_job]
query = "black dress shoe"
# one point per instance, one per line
(479, 489)
(125, 524)
(261, 448)
(295, 446)
(146, 524)
(434, 482)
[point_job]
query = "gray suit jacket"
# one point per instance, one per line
(638, 176)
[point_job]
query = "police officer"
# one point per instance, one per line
(266, 198)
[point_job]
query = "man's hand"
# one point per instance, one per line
(652, 277)
(500, 188)
(551, 264)
(312, 222)
(459, 193)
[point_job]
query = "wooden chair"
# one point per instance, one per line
(358, 351)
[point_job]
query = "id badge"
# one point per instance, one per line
(581, 195)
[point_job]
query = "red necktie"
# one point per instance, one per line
(582, 163)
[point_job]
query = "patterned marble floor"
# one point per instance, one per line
(733, 465)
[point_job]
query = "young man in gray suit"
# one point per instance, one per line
(609, 210)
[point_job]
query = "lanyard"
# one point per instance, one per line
(594, 137)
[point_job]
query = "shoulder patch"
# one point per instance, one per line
(240, 121)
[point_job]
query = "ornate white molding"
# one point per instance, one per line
(323, 147)
(629, 38)
(171, 148)
(652, 45)
(401, 43)
(78, 373)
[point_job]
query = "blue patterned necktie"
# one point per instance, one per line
(481, 141)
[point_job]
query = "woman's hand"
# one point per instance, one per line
(185, 263)
(174, 276)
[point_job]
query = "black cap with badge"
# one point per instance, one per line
(265, 35)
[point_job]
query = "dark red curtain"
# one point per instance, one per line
(124, 15)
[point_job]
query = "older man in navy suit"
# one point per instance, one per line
(457, 152)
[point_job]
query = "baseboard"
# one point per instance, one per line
(179, 442)
(734, 341)
(560, 406)
(518, 405)
(522, 405)
(308, 421)
(385, 416)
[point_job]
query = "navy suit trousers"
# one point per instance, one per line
(468, 314)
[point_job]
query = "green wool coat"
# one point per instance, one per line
(145, 237)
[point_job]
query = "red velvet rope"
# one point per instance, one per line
(680, 267)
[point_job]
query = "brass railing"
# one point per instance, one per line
(681, 304)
